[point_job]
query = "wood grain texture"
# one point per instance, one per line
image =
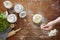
(50, 9)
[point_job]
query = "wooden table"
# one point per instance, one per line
(50, 9)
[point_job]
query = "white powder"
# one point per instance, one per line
(53, 32)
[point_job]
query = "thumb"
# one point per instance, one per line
(47, 27)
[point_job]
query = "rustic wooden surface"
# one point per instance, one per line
(50, 9)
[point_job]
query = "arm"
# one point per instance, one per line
(56, 21)
(50, 24)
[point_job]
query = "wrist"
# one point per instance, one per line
(57, 20)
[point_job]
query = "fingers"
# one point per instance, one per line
(42, 26)
(46, 27)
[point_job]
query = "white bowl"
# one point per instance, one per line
(6, 14)
(8, 4)
(18, 8)
(11, 18)
(37, 18)
(22, 14)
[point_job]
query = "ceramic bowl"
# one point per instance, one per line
(12, 18)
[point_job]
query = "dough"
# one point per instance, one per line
(8, 4)
(18, 8)
(53, 32)
(37, 18)
(22, 14)
(11, 18)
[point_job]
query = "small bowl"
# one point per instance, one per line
(37, 18)
(8, 4)
(12, 18)
(18, 8)
(5, 14)
(22, 14)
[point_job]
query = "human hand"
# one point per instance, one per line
(47, 26)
